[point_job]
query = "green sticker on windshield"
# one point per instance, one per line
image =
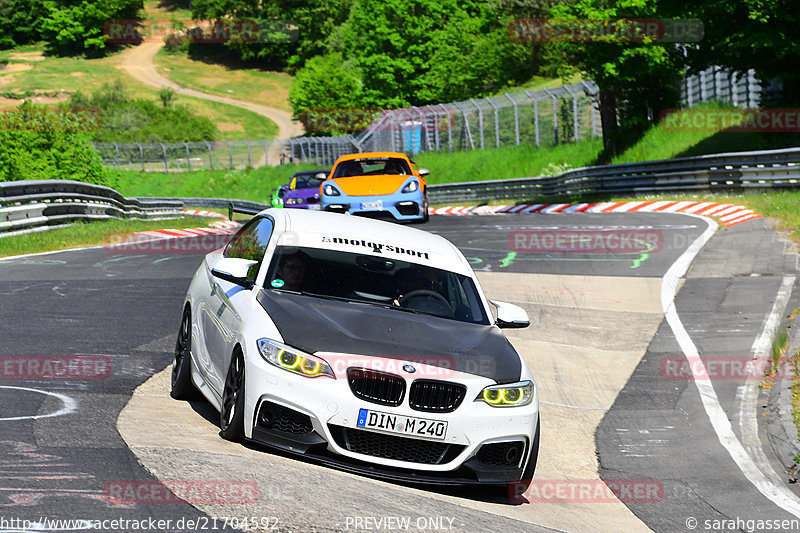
(277, 283)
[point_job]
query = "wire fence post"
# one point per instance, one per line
(516, 117)
(230, 155)
(449, 127)
(555, 113)
(535, 115)
(496, 122)
(249, 161)
(593, 95)
(188, 157)
(480, 120)
(164, 150)
(574, 96)
(468, 142)
(141, 155)
(210, 157)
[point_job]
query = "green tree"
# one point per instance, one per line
(636, 79)
(414, 52)
(76, 26)
(308, 23)
(744, 34)
(19, 22)
(325, 83)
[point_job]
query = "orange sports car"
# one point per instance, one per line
(375, 184)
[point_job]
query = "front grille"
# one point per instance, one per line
(434, 396)
(501, 453)
(280, 418)
(397, 448)
(376, 387)
(408, 209)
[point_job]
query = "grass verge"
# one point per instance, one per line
(88, 234)
(249, 184)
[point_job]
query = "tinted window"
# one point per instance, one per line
(375, 280)
(372, 167)
(251, 241)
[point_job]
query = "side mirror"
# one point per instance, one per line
(234, 270)
(510, 315)
(424, 172)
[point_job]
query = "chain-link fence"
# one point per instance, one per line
(546, 117)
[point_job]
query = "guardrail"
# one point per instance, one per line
(32, 205)
(740, 171)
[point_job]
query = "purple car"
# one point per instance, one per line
(303, 191)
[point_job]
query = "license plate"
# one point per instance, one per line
(404, 425)
(372, 206)
(314, 207)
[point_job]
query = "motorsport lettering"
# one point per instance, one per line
(376, 247)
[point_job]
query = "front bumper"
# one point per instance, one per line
(317, 418)
(401, 206)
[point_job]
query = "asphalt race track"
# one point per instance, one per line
(599, 347)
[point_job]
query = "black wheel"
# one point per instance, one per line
(425, 216)
(517, 489)
(182, 386)
(231, 416)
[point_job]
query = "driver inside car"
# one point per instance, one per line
(412, 280)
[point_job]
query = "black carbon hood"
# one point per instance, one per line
(315, 324)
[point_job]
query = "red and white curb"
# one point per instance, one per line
(728, 214)
(203, 213)
(220, 227)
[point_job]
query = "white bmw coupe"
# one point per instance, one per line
(361, 344)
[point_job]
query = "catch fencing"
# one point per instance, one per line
(545, 117)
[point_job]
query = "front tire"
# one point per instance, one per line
(182, 387)
(425, 215)
(231, 416)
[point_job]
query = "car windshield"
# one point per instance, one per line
(376, 280)
(306, 182)
(372, 167)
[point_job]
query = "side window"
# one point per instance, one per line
(251, 242)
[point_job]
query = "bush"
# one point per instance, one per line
(40, 142)
(141, 120)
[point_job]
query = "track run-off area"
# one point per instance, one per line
(639, 324)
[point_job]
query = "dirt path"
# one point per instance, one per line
(138, 62)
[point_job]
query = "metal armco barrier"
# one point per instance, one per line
(28, 204)
(25, 205)
(742, 171)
